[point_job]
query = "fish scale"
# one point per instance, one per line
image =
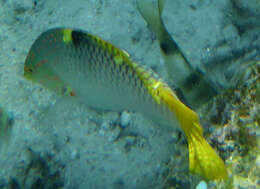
(101, 69)
(104, 77)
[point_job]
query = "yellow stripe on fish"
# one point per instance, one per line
(104, 77)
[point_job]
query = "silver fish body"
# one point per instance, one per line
(102, 76)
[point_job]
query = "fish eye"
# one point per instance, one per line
(26, 69)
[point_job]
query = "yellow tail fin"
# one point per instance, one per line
(203, 160)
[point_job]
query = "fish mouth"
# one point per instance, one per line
(27, 73)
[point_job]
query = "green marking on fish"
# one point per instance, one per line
(67, 38)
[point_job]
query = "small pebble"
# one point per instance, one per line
(130, 140)
(105, 126)
(74, 155)
(110, 117)
(101, 132)
(229, 146)
(174, 137)
(125, 119)
(202, 185)
(114, 134)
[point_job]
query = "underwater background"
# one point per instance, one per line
(49, 141)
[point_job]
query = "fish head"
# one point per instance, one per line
(29, 68)
(36, 69)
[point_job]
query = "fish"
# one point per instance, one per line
(192, 83)
(105, 77)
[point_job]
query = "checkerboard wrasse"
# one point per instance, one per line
(191, 82)
(104, 77)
